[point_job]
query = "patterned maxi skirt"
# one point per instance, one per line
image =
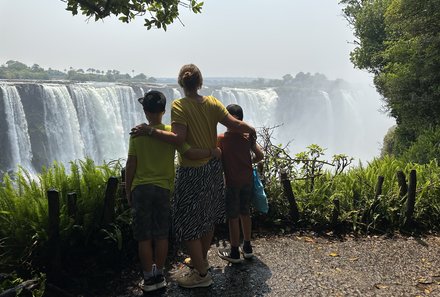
(199, 201)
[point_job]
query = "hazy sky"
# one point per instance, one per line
(245, 38)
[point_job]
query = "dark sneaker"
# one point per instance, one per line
(225, 254)
(247, 252)
(153, 283)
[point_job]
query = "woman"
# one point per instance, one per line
(199, 190)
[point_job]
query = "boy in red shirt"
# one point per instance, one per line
(237, 165)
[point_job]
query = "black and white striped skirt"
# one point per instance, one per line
(199, 201)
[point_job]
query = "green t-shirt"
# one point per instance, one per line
(201, 119)
(155, 160)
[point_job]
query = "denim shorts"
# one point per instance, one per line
(151, 212)
(238, 201)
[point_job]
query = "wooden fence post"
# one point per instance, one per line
(109, 200)
(288, 193)
(379, 186)
(123, 189)
(356, 199)
(71, 205)
(411, 201)
(54, 263)
(335, 213)
(401, 181)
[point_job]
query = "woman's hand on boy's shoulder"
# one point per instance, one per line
(141, 130)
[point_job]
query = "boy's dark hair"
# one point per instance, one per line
(235, 110)
(153, 101)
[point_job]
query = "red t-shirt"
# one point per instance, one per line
(236, 158)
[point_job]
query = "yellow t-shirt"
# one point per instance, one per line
(200, 119)
(155, 160)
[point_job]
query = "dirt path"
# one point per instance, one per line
(297, 265)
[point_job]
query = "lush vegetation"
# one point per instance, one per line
(398, 41)
(89, 246)
(157, 14)
(317, 182)
(86, 243)
(17, 70)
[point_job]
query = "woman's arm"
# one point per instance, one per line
(196, 153)
(176, 136)
(238, 126)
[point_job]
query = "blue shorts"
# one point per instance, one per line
(151, 212)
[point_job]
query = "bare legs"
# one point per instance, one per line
(198, 251)
(234, 231)
(206, 243)
(146, 253)
(246, 226)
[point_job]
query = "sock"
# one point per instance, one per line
(148, 274)
(247, 243)
(158, 272)
(234, 252)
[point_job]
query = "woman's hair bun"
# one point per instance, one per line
(187, 74)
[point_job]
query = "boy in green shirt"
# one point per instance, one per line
(149, 182)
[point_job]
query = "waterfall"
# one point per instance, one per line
(259, 106)
(330, 119)
(17, 129)
(61, 125)
(176, 94)
(44, 122)
(106, 115)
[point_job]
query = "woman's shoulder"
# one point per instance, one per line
(178, 102)
(211, 98)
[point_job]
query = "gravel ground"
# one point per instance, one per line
(307, 265)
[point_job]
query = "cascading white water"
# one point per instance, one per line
(176, 94)
(106, 115)
(259, 106)
(61, 125)
(17, 127)
(94, 119)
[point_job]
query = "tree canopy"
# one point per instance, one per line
(398, 41)
(156, 13)
(18, 70)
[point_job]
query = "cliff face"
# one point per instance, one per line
(32, 98)
(5, 155)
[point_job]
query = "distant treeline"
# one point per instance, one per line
(17, 70)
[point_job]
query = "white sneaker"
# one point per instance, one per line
(192, 279)
(189, 263)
